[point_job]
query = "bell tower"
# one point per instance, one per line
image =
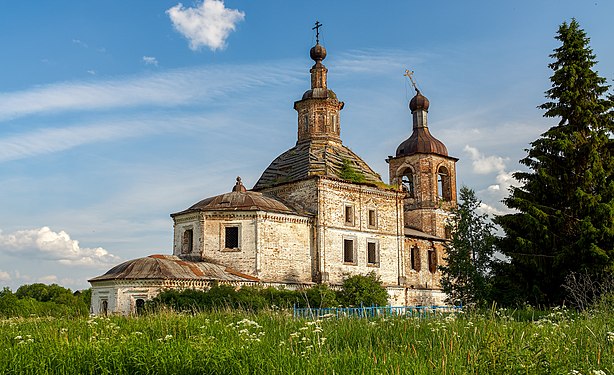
(427, 174)
(318, 110)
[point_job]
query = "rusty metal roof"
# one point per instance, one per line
(411, 232)
(170, 267)
(314, 158)
(421, 142)
(240, 201)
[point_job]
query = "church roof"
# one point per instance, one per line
(317, 158)
(240, 199)
(411, 232)
(170, 267)
(421, 142)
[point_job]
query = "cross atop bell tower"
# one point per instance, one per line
(317, 29)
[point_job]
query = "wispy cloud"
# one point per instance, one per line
(168, 89)
(150, 60)
(5, 276)
(208, 24)
(45, 141)
(43, 243)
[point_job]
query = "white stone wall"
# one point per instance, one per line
(284, 248)
(333, 197)
(121, 295)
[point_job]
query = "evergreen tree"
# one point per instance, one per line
(469, 254)
(564, 218)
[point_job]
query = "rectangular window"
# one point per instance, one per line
(372, 220)
(187, 243)
(348, 251)
(349, 215)
(231, 239)
(372, 253)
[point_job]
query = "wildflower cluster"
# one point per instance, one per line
(21, 340)
(249, 330)
(307, 338)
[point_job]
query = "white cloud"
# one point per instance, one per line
(484, 164)
(91, 72)
(150, 60)
(80, 43)
(207, 24)
(48, 279)
(43, 243)
(4, 276)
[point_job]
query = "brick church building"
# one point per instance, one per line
(317, 214)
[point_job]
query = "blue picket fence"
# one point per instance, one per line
(373, 311)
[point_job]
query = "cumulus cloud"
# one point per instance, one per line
(150, 60)
(43, 243)
(484, 164)
(4, 276)
(207, 24)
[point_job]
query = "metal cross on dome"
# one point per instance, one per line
(317, 29)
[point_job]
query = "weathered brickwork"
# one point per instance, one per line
(427, 205)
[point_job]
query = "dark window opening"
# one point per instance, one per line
(432, 261)
(232, 238)
(415, 259)
(187, 243)
(349, 215)
(104, 307)
(372, 218)
(348, 251)
(372, 253)
(140, 306)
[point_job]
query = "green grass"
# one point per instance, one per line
(491, 342)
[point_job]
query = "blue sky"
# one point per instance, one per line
(115, 114)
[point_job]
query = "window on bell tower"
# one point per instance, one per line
(407, 179)
(444, 190)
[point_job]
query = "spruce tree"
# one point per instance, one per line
(564, 219)
(469, 254)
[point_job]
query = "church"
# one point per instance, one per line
(317, 214)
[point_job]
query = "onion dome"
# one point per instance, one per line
(421, 141)
(419, 101)
(317, 53)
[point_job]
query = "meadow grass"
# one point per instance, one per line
(227, 342)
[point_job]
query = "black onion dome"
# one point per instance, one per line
(419, 101)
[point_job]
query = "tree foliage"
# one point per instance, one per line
(564, 219)
(44, 300)
(469, 254)
(366, 290)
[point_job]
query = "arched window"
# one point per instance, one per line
(415, 259)
(432, 261)
(187, 243)
(407, 179)
(444, 190)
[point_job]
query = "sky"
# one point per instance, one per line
(114, 114)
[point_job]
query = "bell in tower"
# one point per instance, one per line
(426, 173)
